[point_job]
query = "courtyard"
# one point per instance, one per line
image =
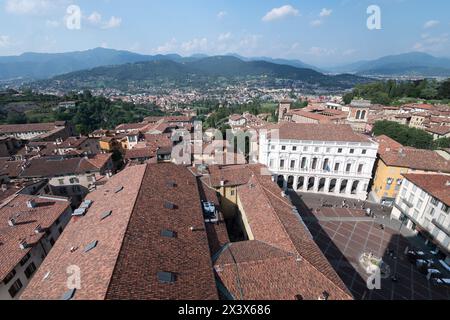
(345, 231)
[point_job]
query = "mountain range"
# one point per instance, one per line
(198, 72)
(407, 64)
(46, 65)
(37, 66)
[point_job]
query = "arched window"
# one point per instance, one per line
(363, 115)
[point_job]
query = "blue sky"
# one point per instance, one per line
(321, 32)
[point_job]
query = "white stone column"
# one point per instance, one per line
(285, 182)
(316, 184)
(338, 186)
(305, 184)
(295, 183)
(327, 185)
(348, 190)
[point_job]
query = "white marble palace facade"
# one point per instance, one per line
(323, 159)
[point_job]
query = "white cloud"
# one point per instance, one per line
(430, 43)
(5, 41)
(195, 45)
(280, 13)
(95, 18)
(222, 14)
(316, 23)
(431, 24)
(23, 7)
(113, 22)
(325, 12)
(168, 47)
(225, 36)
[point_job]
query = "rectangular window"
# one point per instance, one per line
(293, 164)
(360, 168)
(435, 201)
(294, 148)
(403, 192)
(283, 148)
(352, 151)
(15, 288)
(348, 168)
(29, 271)
(336, 167)
(25, 259)
(446, 208)
(304, 163)
(340, 150)
(419, 204)
(9, 277)
(364, 151)
(281, 164)
(271, 163)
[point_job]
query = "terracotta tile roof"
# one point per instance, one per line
(12, 169)
(46, 212)
(140, 153)
(100, 160)
(143, 248)
(253, 270)
(72, 142)
(132, 126)
(416, 159)
(234, 175)
(386, 143)
(272, 220)
(51, 167)
(435, 184)
(98, 265)
(131, 251)
(319, 132)
(440, 130)
(18, 128)
(322, 118)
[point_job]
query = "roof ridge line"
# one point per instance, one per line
(126, 229)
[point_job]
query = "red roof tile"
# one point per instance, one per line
(46, 212)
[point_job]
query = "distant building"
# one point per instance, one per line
(42, 131)
(73, 177)
(78, 146)
(394, 160)
(30, 227)
(423, 205)
(328, 159)
(358, 116)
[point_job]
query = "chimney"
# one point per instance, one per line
(38, 229)
(24, 245)
(31, 204)
(12, 222)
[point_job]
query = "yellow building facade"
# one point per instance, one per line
(387, 182)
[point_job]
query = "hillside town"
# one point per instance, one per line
(309, 207)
